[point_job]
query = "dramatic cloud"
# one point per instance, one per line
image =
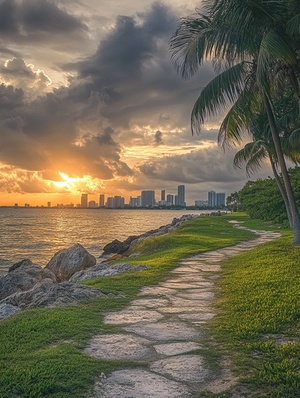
(35, 21)
(17, 73)
(111, 115)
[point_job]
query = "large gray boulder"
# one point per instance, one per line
(49, 294)
(105, 269)
(68, 261)
(23, 276)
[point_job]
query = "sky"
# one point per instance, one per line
(90, 102)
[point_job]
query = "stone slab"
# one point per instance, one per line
(171, 349)
(181, 285)
(199, 295)
(156, 291)
(151, 302)
(119, 346)
(186, 368)
(164, 331)
(138, 383)
(178, 310)
(131, 315)
(196, 316)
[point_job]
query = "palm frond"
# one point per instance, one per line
(293, 26)
(239, 117)
(223, 89)
(294, 139)
(188, 44)
(273, 47)
(252, 155)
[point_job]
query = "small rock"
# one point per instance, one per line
(7, 310)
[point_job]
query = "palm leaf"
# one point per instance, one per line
(272, 48)
(294, 138)
(252, 155)
(223, 89)
(239, 117)
(188, 45)
(293, 26)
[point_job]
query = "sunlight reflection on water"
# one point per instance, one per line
(38, 234)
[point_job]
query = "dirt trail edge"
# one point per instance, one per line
(164, 332)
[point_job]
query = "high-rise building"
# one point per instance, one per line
(48, 204)
(101, 200)
(133, 202)
(139, 201)
(84, 200)
(92, 204)
(170, 200)
(220, 199)
(148, 198)
(216, 199)
(212, 202)
(163, 195)
(181, 196)
(110, 203)
(118, 202)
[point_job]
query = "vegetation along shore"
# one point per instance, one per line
(254, 330)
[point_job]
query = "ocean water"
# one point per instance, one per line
(38, 234)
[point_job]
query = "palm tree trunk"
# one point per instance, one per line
(282, 192)
(284, 171)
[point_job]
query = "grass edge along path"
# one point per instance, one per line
(41, 349)
(258, 321)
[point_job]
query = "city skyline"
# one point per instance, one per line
(147, 198)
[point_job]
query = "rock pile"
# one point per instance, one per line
(118, 247)
(29, 285)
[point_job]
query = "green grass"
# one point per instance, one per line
(41, 350)
(259, 317)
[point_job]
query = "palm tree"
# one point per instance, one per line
(254, 47)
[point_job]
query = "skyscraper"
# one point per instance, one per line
(170, 200)
(220, 199)
(163, 195)
(101, 200)
(212, 199)
(84, 200)
(148, 198)
(181, 195)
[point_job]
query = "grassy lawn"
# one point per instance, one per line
(41, 350)
(259, 317)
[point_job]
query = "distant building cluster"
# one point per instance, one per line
(214, 199)
(146, 199)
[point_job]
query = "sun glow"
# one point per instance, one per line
(68, 182)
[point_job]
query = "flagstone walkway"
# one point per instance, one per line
(162, 331)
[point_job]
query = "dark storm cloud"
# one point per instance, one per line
(210, 164)
(30, 21)
(11, 100)
(122, 55)
(133, 71)
(61, 130)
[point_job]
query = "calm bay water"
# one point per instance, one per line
(38, 234)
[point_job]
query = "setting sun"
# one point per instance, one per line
(68, 182)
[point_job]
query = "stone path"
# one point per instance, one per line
(164, 331)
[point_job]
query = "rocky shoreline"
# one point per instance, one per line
(29, 285)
